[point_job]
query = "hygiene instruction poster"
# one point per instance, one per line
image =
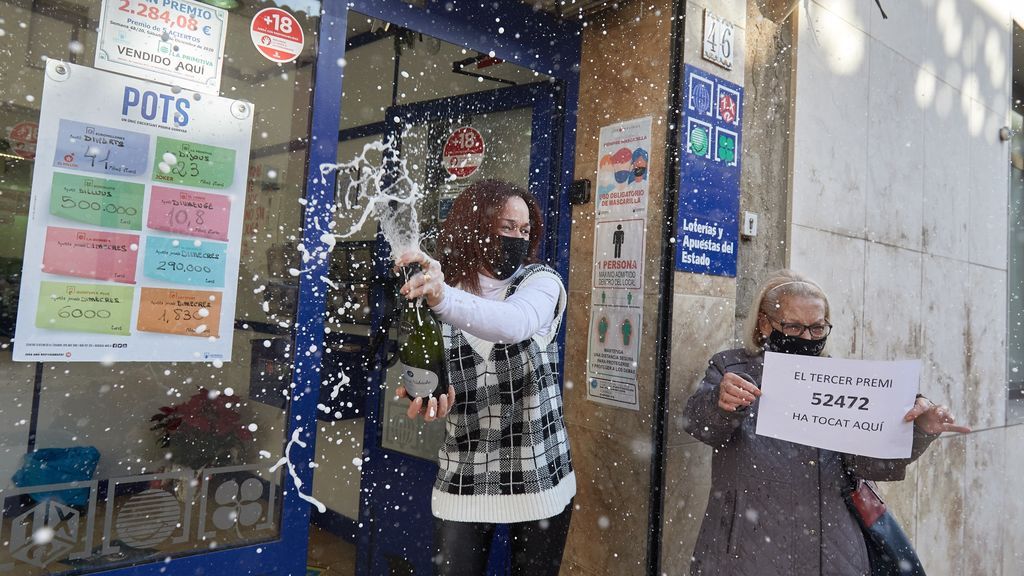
(620, 225)
(135, 222)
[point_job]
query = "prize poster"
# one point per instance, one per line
(135, 222)
(838, 404)
(176, 42)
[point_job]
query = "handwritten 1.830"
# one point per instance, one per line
(839, 401)
(181, 314)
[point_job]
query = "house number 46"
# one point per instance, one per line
(718, 40)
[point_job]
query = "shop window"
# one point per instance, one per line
(1015, 336)
(201, 479)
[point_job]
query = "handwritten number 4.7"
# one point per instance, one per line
(839, 401)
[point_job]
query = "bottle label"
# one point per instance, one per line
(417, 381)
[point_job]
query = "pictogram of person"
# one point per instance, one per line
(618, 237)
(602, 329)
(627, 331)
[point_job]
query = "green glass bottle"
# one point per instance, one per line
(421, 350)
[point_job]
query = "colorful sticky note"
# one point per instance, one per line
(185, 261)
(193, 164)
(96, 308)
(190, 213)
(181, 312)
(91, 254)
(94, 148)
(97, 201)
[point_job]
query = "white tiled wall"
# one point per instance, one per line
(899, 208)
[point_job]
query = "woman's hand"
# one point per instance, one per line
(429, 283)
(734, 392)
(933, 418)
(436, 408)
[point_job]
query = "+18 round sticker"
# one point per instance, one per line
(277, 35)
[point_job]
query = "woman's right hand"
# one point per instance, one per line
(429, 283)
(734, 392)
(436, 408)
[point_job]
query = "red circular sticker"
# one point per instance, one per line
(23, 137)
(276, 34)
(463, 152)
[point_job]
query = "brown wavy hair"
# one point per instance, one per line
(468, 242)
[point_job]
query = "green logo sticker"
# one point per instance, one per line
(97, 201)
(193, 164)
(726, 148)
(699, 140)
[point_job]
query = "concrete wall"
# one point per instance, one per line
(624, 75)
(899, 208)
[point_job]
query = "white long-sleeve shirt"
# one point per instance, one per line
(527, 313)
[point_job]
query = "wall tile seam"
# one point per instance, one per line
(817, 3)
(842, 234)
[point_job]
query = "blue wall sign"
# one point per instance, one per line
(707, 227)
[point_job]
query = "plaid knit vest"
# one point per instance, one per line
(506, 452)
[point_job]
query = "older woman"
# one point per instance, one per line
(775, 507)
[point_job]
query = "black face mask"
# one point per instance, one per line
(513, 253)
(779, 342)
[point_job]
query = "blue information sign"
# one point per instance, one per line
(707, 228)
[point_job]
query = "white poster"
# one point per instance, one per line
(134, 222)
(175, 42)
(851, 406)
(616, 318)
(620, 223)
(623, 169)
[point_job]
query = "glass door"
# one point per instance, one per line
(448, 143)
(405, 86)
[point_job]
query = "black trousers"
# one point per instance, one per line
(462, 548)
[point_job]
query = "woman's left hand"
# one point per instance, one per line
(429, 283)
(435, 408)
(933, 418)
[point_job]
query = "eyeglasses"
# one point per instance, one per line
(816, 331)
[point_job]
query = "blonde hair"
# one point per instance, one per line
(779, 285)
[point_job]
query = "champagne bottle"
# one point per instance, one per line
(420, 348)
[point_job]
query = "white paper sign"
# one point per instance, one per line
(171, 41)
(135, 222)
(851, 406)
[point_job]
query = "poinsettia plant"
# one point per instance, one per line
(206, 430)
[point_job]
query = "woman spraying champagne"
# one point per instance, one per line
(505, 458)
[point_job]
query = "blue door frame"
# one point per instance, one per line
(544, 44)
(395, 496)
